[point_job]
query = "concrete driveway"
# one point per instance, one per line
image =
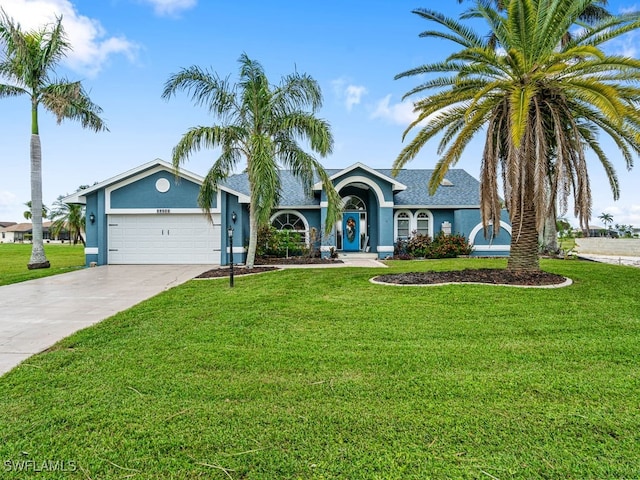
(36, 314)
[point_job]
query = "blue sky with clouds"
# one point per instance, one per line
(124, 50)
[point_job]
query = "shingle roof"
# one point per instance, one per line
(464, 191)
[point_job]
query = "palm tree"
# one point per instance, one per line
(548, 235)
(532, 88)
(69, 217)
(607, 219)
(27, 213)
(261, 124)
(27, 65)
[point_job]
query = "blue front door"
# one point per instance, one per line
(351, 232)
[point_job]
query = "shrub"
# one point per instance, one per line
(279, 243)
(449, 246)
(442, 246)
(400, 248)
(419, 245)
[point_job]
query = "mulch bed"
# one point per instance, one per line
(483, 275)
(296, 261)
(265, 265)
(237, 271)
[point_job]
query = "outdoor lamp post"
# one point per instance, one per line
(230, 232)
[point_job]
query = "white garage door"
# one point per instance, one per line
(163, 239)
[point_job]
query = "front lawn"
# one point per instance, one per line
(319, 374)
(14, 258)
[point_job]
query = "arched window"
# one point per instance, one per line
(353, 203)
(403, 225)
(422, 223)
(289, 221)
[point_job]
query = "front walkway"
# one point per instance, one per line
(38, 313)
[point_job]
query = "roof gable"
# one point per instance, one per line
(142, 171)
(395, 184)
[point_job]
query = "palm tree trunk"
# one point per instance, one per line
(253, 237)
(524, 235)
(38, 257)
(524, 241)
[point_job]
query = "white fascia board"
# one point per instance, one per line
(297, 207)
(242, 198)
(80, 195)
(436, 207)
(395, 185)
(145, 211)
(76, 198)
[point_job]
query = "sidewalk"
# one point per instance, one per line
(612, 259)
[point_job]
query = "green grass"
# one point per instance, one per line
(14, 258)
(319, 374)
(567, 244)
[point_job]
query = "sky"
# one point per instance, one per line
(125, 50)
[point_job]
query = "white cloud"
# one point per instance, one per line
(626, 45)
(350, 94)
(92, 47)
(354, 93)
(628, 9)
(170, 7)
(8, 205)
(622, 214)
(400, 113)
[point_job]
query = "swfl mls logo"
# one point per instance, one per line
(40, 466)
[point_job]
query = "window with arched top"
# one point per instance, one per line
(403, 225)
(354, 203)
(289, 221)
(422, 223)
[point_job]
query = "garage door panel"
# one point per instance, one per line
(163, 238)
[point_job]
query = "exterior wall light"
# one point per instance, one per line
(92, 218)
(234, 217)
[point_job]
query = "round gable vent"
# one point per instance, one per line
(163, 185)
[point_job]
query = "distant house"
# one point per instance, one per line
(147, 215)
(595, 231)
(3, 227)
(21, 232)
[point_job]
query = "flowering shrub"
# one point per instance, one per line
(419, 245)
(441, 246)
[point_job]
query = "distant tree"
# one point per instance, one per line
(607, 219)
(69, 217)
(27, 213)
(262, 124)
(27, 63)
(563, 227)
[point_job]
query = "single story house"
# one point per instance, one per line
(148, 215)
(21, 232)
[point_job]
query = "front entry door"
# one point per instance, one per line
(351, 232)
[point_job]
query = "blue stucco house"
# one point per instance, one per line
(147, 215)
